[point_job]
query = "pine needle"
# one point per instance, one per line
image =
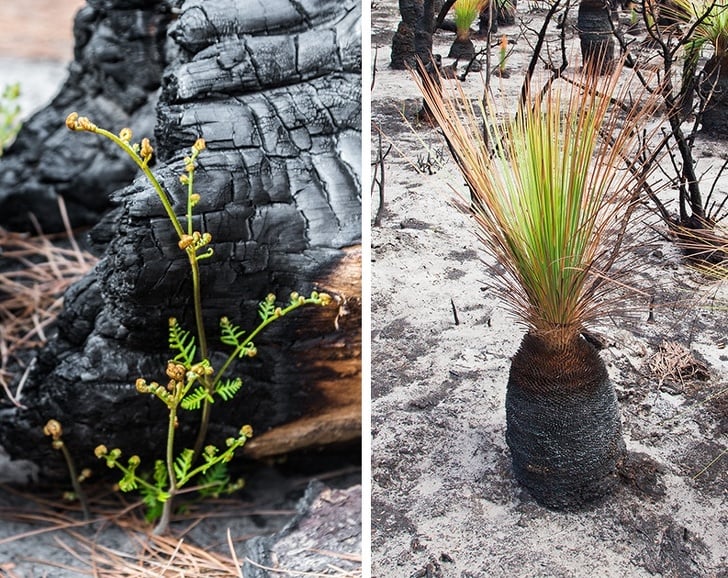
(37, 271)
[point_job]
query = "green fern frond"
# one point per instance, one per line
(214, 481)
(128, 482)
(149, 496)
(267, 308)
(183, 342)
(193, 400)
(160, 474)
(154, 502)
(230, 334)
(183, 463)
(229, 388)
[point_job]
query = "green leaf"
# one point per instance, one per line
(230, 334)
(183, 342)
(267, 308)
(193, 400)
(214, 480)
(229, 388)
(183, 463)
(154, 501)
(160, 474)
(129, 481)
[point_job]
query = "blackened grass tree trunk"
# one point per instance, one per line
(403, 41)
(114, 78)
(563, 424)
(551, 203)
(714, 92)
(276, 94)
(427, 64)
(595, 35)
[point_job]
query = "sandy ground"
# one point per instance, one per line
(444, 501)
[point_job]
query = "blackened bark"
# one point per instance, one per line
(403, 41)
(595, 34)
(714, 91)
(424, 31)
(563, 425)
(118, 61)
(327, 522)
(462, 49)
(277, 98)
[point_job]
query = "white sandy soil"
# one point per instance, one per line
(444, 500)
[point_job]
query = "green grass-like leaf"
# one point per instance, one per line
(711, 24)
(183, 342)
(550, 194)
(227, 390)
(465, 12)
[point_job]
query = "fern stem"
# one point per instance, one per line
(148, 173)
(163, 524)
(202, 341)
(80, 494)
(255, 333)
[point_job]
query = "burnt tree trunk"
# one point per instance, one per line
(595, 35)
(403, 41)
(277, 98)
(714, 91)
(413, 37)
(563, 424)
(114, 78)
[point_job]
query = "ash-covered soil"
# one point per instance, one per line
(444, 500)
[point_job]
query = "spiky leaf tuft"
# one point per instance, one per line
(552, 200)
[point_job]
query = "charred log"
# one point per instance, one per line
(114, 78)
(277, 99)
(327, 523)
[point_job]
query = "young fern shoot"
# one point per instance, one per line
(193, 383)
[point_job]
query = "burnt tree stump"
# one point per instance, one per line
(119, 56)
(276, 94)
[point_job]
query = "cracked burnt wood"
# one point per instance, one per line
(278, 100)
(326, 533)
(114, 78)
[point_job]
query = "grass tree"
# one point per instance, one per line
(465, 13)
(595, 35)
(551, 199)
(708, 21)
